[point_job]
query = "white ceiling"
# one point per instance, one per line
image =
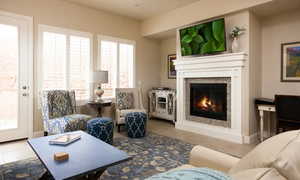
(137, 9)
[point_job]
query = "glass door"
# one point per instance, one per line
(15, 64)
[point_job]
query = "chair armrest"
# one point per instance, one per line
(204, 157)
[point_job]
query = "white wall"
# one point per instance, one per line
(278, 29)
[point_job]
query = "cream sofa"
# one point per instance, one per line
(277, 158)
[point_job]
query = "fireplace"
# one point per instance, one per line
(209, 100)
(229, 69)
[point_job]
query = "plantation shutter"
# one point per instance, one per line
(66, 62)
(79, 66)
(54, 61)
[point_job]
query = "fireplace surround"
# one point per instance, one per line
(229, 69)
(208, 100)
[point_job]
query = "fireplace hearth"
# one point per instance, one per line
(209, 100)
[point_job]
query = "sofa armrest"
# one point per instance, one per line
(203, 157)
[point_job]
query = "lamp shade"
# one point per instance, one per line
(99, 77)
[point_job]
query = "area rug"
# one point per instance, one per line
(151, 155)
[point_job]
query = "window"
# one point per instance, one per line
(117, 57)
(65, 60)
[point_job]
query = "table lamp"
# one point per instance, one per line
(99, 77)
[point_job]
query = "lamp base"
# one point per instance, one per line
(98, 92)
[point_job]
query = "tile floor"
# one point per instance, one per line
(14, 151)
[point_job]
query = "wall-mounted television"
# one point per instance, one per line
(203, 39)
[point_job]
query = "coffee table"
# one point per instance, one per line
(88, 157)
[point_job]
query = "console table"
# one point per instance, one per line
(162, 104)
(264, 108)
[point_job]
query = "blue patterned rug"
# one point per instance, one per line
(152, 154)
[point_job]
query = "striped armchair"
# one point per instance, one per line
(59, 112)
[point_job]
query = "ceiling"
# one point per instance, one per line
(137, 9)
(276, 7)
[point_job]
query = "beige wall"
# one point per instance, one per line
(278, 29)
(168, 46)
(63, 14)
(255, 69)
(194, 12)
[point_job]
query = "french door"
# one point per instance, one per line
(15, 77)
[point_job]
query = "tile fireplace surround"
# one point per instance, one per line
(232, 66)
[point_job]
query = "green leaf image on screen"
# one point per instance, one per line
(202, 39)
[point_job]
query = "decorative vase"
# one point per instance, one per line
(235, 47)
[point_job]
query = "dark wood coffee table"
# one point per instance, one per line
(88, 157)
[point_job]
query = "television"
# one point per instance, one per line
(203, 39)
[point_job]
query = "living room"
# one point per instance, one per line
(130, 47)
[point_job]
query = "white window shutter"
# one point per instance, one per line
(79, 66)
(54, 61)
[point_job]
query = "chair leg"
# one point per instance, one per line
(45, 133)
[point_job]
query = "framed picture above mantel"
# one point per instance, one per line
(171, 66)
(290, 62)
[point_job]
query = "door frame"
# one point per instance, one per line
(29, 53)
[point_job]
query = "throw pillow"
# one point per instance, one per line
(125, 100)
(191, 174)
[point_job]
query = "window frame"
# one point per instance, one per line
(118, 41)
(68, 33)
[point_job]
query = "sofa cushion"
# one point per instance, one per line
(287, 162)
(191, 173)
(125, 100)
(280, 152)
(258, 174)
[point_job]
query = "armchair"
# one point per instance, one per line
(127, 100)
(59, 112)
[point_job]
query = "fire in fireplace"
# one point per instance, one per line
(206, 104)
(209, 100)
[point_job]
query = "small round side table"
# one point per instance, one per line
(98, 105)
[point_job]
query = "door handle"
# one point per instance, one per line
(25, 94)
(25, 87)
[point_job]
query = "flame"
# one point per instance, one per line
(206, 104)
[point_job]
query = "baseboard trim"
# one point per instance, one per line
(38, 134)
(253, 138)
(232, 137)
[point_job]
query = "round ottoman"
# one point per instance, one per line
(135, 123)
(101, 128)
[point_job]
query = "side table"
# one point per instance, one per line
(98, 105)
(262, 109)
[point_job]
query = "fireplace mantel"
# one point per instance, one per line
(230, 60)
(233, 66)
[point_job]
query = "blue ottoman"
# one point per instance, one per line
(135, 123)
(101, 128)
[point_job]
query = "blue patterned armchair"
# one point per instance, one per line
(59, 112)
